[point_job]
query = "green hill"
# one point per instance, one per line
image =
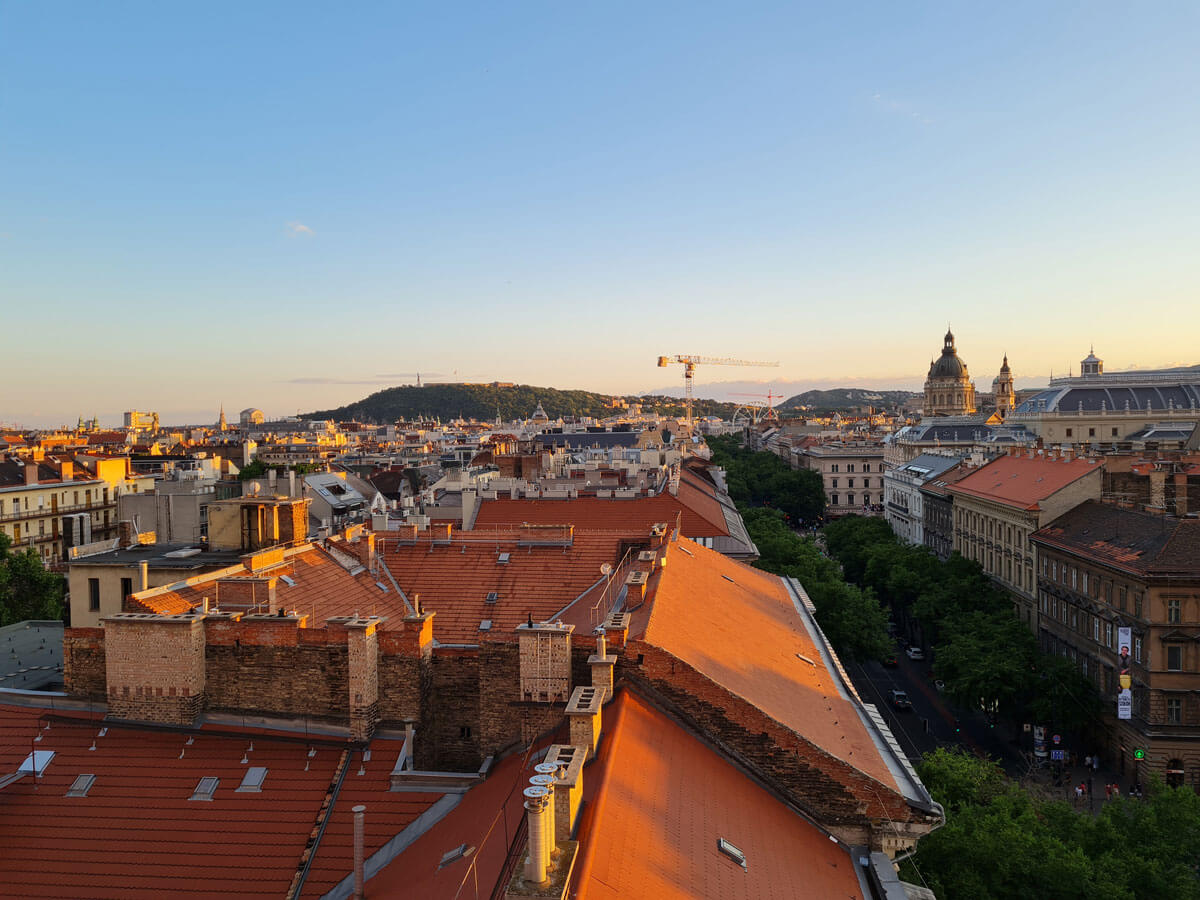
(485, 401)
(841, 399)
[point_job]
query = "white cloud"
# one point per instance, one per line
(298, 228)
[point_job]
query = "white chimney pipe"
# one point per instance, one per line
(539, 837)
(546, 777)
(145, 570)
(601, 645)
(358, 851)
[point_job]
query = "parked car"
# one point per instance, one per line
(900, 700)
(891, 661)
(915, 653)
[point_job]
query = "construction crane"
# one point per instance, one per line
(690, 362)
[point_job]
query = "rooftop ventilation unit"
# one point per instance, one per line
(252, 781)
(81, 785)
(206, 788)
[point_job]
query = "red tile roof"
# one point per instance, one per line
(454, 580)
(388, 813)
(659, 802)
(738, 626)
(1023, 481)
(700, 515)
(137, 833)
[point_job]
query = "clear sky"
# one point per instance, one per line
(292, 205)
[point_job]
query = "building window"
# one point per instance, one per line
(833, 483)
(833, 501)
(1054, 571)
(1045, 566)
(1114, 432)
(850, 467)
(1108, 634)
(1096, 629)
(849, 499)
(1074, 578)
(1137, 649)
(93, 594)
(1091, 432)
(1174, 658)
(1172, 612)
(1137, 605)
(1085, 583)
(849, 482)
(1174, 711)
(1069, 432)
(866, 467)
(835, 467)
(126, 588)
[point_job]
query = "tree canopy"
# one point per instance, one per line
(1002, 843)
(27, 590)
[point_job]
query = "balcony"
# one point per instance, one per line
(44, 511)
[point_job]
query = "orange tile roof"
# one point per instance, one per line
(660, 800)
(699, 514)
(137, 833)
(1022, 481)
(323, 588)
(738, 626)
(487, 817)
(454, 580)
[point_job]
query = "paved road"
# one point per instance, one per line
(933, 721)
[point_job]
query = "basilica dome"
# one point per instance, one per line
(949, 364)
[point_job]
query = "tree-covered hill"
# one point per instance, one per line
(485, 401)
(843, 399)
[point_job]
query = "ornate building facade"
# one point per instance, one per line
(948, 389)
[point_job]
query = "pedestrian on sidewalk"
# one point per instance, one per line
(1087, 763)
(1078, 793)
(1116, 791)
(1108, 792)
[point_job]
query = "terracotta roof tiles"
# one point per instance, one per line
(659, 802)
(1023, 481)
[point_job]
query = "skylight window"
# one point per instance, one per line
(206, 788)
(503, 559)
(289, 581)
(492, 597)
(730, 580)
(81, 785)
(732, 852)
(459, 852)
(252, 781)
(36, 762)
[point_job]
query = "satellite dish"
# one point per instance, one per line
(606, 569)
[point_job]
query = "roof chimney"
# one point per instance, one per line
(358, 850)
(31, 472)
(537, 804)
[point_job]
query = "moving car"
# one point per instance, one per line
(900, 700)
(915, 653)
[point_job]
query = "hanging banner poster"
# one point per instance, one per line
(1125, 704)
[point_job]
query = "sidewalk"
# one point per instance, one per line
(1072, 776)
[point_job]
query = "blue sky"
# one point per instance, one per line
(292, 205)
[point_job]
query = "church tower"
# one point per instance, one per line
(1002, 390)
(222, 424)
(1092, 365)
(948, 389)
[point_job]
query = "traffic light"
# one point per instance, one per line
(1139, 753)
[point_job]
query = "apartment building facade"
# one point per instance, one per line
(1119, 595)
